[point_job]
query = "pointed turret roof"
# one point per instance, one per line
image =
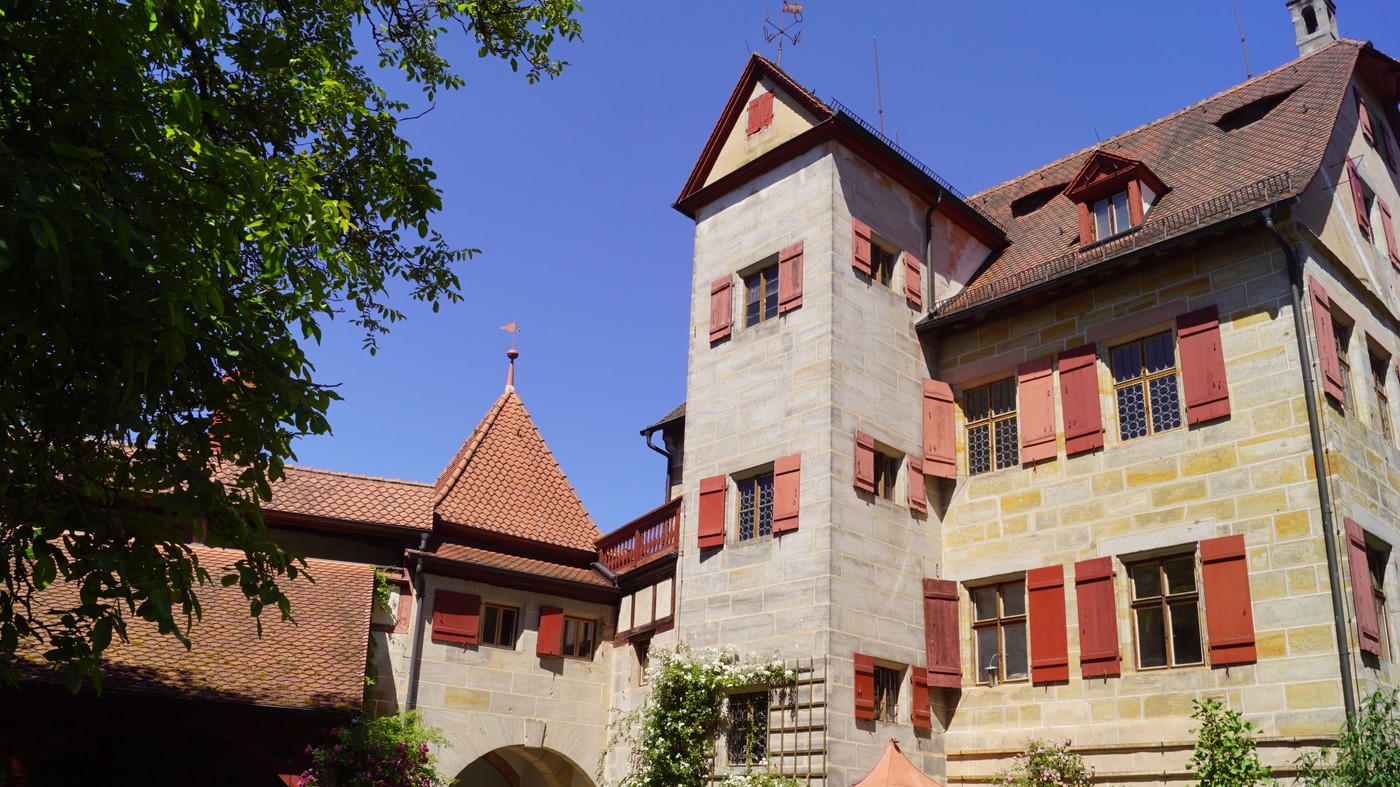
(505, 480)
(895, 770)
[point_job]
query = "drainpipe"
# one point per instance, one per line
(1295, 277)
(647, 433)
(415, 661)
(928, 244)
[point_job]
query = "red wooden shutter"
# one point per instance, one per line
(918, 495)
(1202, 365)
(1326, 342)
(1365, 115)
(1079, 399)
(790, 278)
(549, 640)
(721, 307)
(860, 246)
(1229, 614)
(787, 489)
(760, 113)
(1389, 227)
(1363, 595)
(865, 462)
(939, 440)
(1049, 638)
(712, 491)
(456, 617)
(913, 283)
(1035, 383)
(865, 686)
(1098, 617)
(1358, 198)
(1086, 225)
(941, 643)
(919, 714)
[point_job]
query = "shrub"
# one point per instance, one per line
(1046, 764)
(390, 751)
(1225, 754)
(1368, 752)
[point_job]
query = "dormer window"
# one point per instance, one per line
(1111, 216)
(1114, 195)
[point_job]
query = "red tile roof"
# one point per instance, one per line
(1208, 170)
(458, 553)
(307, 491)
(504, 479)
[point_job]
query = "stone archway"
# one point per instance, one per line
(524, 766)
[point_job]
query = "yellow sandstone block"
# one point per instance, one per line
(1292, 524)
(1302, 580)
(1262, 503)
(1151, 473)
(1271, 644)
(1108, 483)
(457, 698)
(1210, 460)
(1180, 493)
(1166, 706)
(1023, 501)
(1311, 639)
(1318, 694)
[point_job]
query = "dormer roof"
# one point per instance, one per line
(1105, 172)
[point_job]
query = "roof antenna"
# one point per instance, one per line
(879, 102)
(512, 354)
(1248, 74)
(782, 32)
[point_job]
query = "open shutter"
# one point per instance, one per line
(760, 113)
(787, 487)
(943, 649)
(721, 307)
(1388, 226)
(913, 282)
(1035, 384)
(1326, 342)
(1363, 595)
(918, 494)
(1364, 113)
(1202, 365)
(865, 686)
(939, 439)
(860, 246)
(919, 714)
(1358, 199)
(456, 617)
(1079, 399)
(1229, 614)
(865, 462)
(790, 278)
(549, 640)
(1098, 618)
(1049, 638)
(712, 492)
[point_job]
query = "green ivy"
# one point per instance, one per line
(1046, 764)
(1225, 754)
(1368, 752)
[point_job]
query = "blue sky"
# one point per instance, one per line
(566, 188)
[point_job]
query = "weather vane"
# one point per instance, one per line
(782, 32)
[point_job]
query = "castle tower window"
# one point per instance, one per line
(1114, 195)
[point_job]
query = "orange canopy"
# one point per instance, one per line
(895, 770)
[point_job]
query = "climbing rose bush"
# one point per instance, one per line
(1046, 764)
(389, 751)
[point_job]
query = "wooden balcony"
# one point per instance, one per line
(650, 536)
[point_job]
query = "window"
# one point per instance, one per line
(760, 113)
(643, 650)
(887, 680)
(882, 264)
(1166, 612)
(498, 625)
(886, 471)
(1111, 216)
(993, 441)
(578, 638)
(1382, 420)
(756, 507)
(1145, 386)
(747, 740)
(761, 295)
(1341, 334)
(999, 632)
(1375, 564)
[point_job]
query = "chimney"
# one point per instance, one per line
(1314, 23)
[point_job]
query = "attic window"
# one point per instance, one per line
(760, 113)
(1253, 112)
(1113, 194)
(1034, 201)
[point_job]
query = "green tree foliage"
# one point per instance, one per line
(1368, 752)
(1047, 764)
(1225, 754)
(389, 751)
(188, 188)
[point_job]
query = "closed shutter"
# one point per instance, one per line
(1326, 342)
(939, 440)
(790, 278)
(1079, 399)
(1098, 618)
(860, 246)
(760, 113)
(1202, 365)
(865, 462)
(919, 714)
(941, 643)
(1049, 637)
(1358, 199)
(1035, 384)
(918, 494)
(913, 282)
(1364, 113)
(712, 491)
(1388, 226)
(721, 307)
(550, 637)
(1363, 595)
(787, 489)
(1229, 614)
(456, 617)
(865, 686)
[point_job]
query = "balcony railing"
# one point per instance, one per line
(646, 538)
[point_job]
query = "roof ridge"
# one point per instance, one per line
(359, 476)
(464, 454)
(549, 452)
(1227, 91)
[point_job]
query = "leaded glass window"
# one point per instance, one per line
(756, 507)
(1145, 385)
(993, 437)
(747, 739)
(1166, 612)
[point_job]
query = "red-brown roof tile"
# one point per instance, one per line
(504, 479)
(307, 491)
(458, 553)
